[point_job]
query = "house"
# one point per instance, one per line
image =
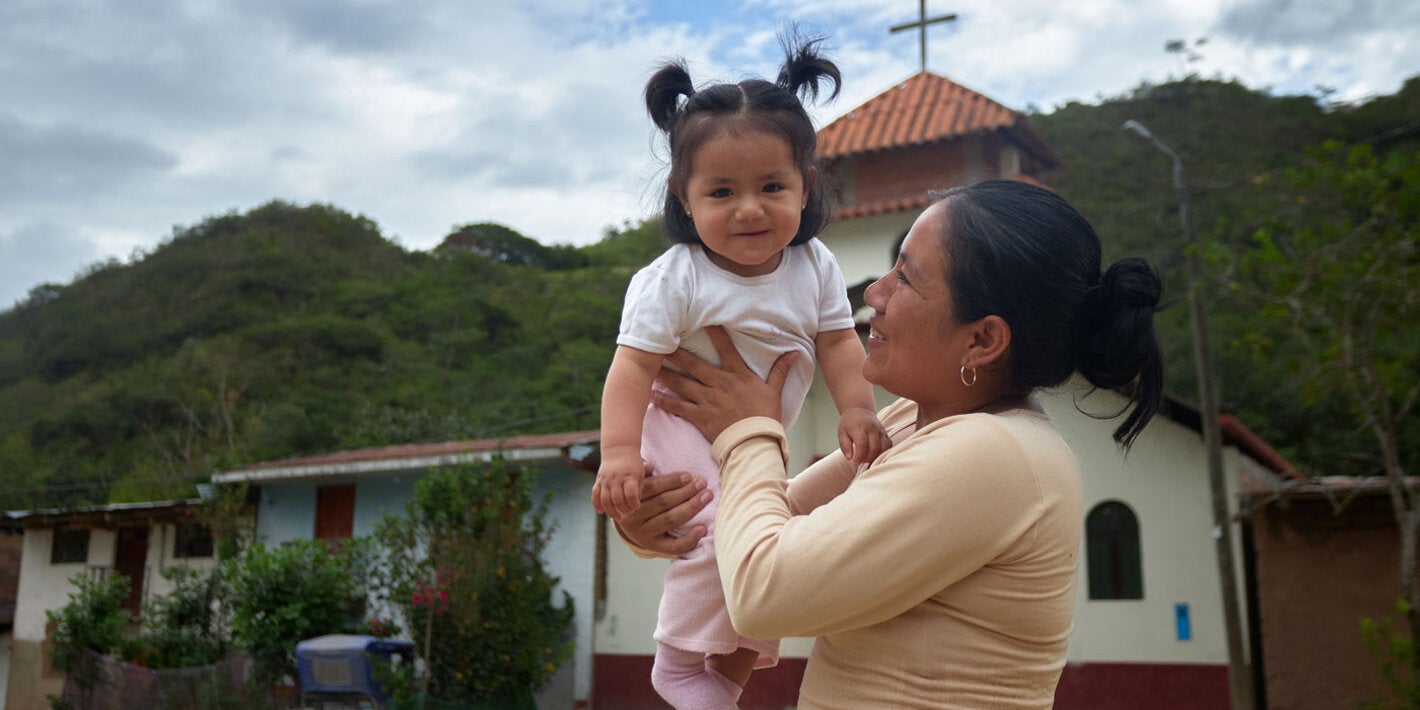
(1311, 543)
(344, 494)
(138, 540)
(1149, 626)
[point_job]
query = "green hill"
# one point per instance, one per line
(291, 330)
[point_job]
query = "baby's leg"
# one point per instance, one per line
(685, 681)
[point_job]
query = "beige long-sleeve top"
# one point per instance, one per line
(940, 577)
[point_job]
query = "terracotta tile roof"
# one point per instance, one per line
(908, 204)
(1246, 439)
(869, 209)
(923, 109)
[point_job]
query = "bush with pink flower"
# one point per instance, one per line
(464, 569)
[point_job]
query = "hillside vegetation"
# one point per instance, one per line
(293, 329)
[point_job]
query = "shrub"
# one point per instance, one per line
(284, 595)
(94, 619)
(188, 626)
(1395, 652)
(464, 568)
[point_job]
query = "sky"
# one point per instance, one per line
(124, 120)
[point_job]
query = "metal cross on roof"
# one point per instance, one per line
(921, 26)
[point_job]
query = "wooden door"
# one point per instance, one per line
(335, 512)
(130, 559)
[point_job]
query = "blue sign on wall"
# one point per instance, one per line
(1180, 614)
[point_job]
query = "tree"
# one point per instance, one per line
(1335, 273)
(284, 595)
(463, 566)
(496, 242)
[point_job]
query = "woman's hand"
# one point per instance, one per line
(667, 502)
(712, 398)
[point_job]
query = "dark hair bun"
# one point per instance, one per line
(1119, 344)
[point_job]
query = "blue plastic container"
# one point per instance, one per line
(339, 664)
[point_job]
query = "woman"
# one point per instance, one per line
(943, 575)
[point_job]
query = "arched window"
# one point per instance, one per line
(1112, 552)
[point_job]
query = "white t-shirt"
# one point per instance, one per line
(671, 301)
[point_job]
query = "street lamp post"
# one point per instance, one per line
(1239, 682)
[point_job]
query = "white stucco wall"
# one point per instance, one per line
(1164, 480)
(45, 587)
(571, 555)
(864, 246)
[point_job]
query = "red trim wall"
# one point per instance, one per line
(1130, 686)
(624, 683)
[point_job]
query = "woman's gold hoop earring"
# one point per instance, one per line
(963, 376)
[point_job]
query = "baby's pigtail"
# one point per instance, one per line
(663, 92)
(804, 68)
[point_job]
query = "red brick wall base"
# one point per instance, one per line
(624, 683)
(1130, 686)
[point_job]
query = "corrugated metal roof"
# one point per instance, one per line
(413, 456)
(924, 108)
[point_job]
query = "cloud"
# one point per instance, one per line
(61, 165)
(426, 115)
(40, 252)
(1315, 22)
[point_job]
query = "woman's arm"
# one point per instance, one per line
(931, 511)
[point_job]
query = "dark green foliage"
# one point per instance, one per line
(284, 595)
(187, 626)
(1394, 651)
(1237, 146)
(463, 565)
(503, 245)
(93, 619)
(1331, 282)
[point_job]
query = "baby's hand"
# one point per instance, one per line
(861, 436)
(617, 491)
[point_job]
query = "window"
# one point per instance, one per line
(1112, 552)
(192, 540)
(70, 545)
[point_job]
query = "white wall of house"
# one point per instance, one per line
(46, 587)
(571, 555)
(1164, 481)
(864, 246)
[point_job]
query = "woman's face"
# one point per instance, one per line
(915, 345)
